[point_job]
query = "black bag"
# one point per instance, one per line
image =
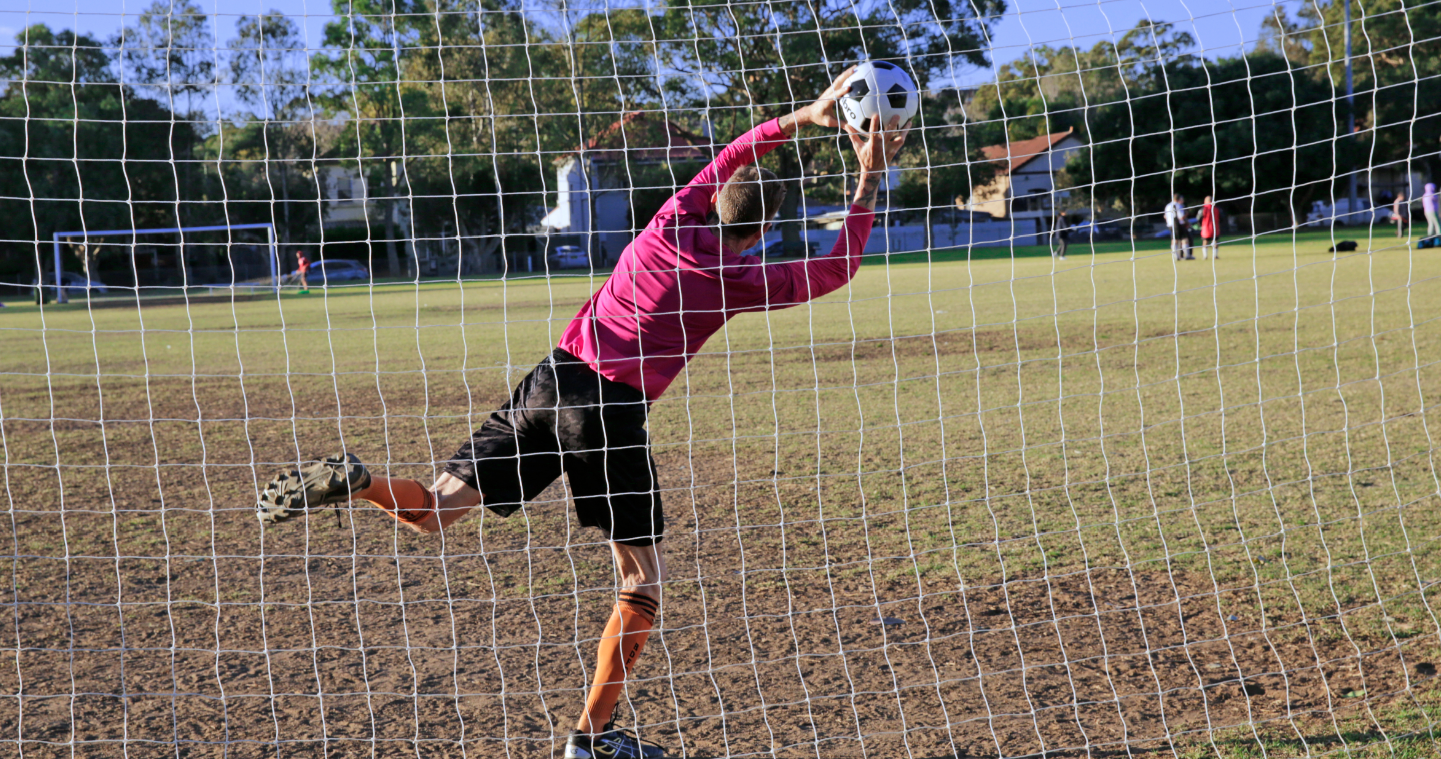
(1345, 246)
(1429, 242)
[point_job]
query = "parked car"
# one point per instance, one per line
(1097, 231)
(568, 257)
(1322, 214)
(75, 284)
(336, 270)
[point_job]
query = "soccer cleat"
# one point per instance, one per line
(331, 481)
(611, 744)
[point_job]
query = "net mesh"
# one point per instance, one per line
(1051, 476)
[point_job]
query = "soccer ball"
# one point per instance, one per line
(880, 89)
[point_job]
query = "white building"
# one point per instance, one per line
(593, 183)
(1025, 185)
(345, 196)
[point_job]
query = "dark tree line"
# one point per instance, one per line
(455, 112)
(1265, 130)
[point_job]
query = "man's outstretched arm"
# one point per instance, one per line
(794, 282)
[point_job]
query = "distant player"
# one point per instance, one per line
(583, 410)
(302, 267)
(1176, 223)
(1060, 236)
(1430, 211)
(1210, 230)
(1400, 210)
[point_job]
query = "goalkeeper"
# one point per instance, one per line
(583, 410)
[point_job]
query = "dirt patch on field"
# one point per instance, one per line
(350, 654)
(153, 617)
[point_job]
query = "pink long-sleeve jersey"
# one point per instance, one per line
(675, 286)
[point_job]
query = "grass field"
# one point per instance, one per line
(1122, 505)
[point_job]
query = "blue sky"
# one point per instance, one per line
(1221, 27)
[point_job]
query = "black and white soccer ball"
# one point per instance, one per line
(878, 88)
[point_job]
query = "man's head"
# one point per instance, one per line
(1207, 201)
(746, 204)
(1176, 197)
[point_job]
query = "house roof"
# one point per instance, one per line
(644, 136)
(1013, 156)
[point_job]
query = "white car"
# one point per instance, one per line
(1323, 214)
(568, 257)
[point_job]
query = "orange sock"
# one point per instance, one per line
(620, 645)
(406, 500)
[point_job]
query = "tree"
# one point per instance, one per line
(1253, 129)
(1049, 90)
(752, 61)
(271, 74)
(387, 115)
(78, 149)
(171, 51)
(1287, 37)
(1396, 63)
(482, 164)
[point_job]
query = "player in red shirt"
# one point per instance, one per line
(1210, 229)
(583, 410)
(302, 267)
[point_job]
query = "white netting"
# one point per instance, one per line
(1028, 486)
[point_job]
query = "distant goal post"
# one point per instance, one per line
(59, 238)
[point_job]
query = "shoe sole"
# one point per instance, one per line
(332, 480)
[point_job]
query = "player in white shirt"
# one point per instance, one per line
(1176, 223)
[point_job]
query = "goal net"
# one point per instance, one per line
(1117, 443)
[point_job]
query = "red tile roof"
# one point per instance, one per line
(1017, 154)
(643, 136)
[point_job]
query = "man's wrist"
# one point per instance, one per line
(868, 184)
(793, 121)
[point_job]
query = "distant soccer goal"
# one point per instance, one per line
(877, 379)
(229, 264)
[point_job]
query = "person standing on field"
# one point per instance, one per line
(302, 267)
(583, 411)
(1060, 236)
(1428, 207)
(1175, 222)
(1400, 209)
(1210, 229)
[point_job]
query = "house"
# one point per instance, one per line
(1025, 183)
(345, 196)
(594, 182)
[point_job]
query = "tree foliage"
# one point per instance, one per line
(1396, 70)
(1049, 90)
(1255, 132)
(745, 63)
(457, 112)
(77, 149)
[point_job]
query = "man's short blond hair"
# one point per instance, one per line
(752, 197)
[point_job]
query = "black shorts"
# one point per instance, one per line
(563, 417)
(1178, 232)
